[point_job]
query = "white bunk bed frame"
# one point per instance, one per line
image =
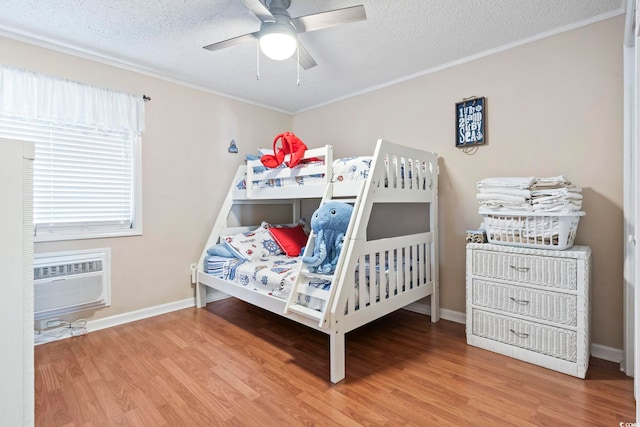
(412, 276)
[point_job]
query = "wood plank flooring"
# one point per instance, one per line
(237, 365)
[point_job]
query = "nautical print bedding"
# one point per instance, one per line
(264, 179)
(272, 275)
(351, 168)
(275, 276)
(346, 169)
(343, 170)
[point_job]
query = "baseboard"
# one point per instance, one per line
(118, 319)
(611, 354)
(132, 316)
(418, 307)
(451, 315)
(215, 295)
(598, 351)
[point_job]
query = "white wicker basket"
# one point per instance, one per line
(553, 230)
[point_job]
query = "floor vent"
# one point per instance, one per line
(66, 282)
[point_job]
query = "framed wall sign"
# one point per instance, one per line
(471, 122)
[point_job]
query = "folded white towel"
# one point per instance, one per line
(551, 182)
(512, 182)
(506, 190)
(502, 205)
(559, 206)
(554, 191)
(556, 198)
(501, 197)
(551, 179)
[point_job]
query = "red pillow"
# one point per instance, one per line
(290, 239)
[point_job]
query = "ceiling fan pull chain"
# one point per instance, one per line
(298, 65)
(258, 60)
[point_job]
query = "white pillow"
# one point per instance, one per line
(253, 245)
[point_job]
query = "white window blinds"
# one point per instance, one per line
(85, 176)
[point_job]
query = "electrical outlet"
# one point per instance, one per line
(193, 267)
(49, 323)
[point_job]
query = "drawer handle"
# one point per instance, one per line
(520, 269)
(519, 301)
(519, 334)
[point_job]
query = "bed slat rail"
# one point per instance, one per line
(387, 290)
(390, 266)
(402, 174)
(312, 169)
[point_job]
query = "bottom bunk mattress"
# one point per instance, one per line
(276, 275)
(272, 275)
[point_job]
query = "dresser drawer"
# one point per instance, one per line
(556, 272)
(555, 342)
(540, 304)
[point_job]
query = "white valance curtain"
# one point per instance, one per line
(30, 95)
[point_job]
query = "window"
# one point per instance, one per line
(87, 164)
(83, 184)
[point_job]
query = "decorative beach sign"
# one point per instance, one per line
(471, 122)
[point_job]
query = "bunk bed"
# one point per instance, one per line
(373, 276)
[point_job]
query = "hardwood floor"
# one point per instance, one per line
(235, 364)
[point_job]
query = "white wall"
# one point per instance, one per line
(554, 107)
(186, 171)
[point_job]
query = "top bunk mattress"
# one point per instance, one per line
(309, 177)
(346, 169)
(397, 167)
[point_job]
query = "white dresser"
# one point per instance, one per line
(530, 304)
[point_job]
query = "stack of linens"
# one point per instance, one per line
(505, 193)
(528, 194)
(555, 194)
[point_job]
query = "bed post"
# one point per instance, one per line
(435, 261)
(337, 352)
(201, 295)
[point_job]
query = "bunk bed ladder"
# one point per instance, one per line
(302, 289)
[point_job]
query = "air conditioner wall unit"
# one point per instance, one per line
(67, 282)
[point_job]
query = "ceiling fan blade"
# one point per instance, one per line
(232, 42)
(318, 21)
(306, 60)
(259, 9)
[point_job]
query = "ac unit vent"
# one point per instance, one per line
(66, 282)
(71, 269)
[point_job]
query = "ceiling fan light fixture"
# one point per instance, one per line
(278, 41)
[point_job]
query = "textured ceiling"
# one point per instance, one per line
(399, 39)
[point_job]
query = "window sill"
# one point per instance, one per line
(47, 236)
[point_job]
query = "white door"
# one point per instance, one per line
(632, 186)
(630, 200)
(631, 307)
(16, 304)
(632, 237)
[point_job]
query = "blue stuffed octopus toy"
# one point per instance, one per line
(329, 223)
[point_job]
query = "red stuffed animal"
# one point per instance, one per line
(291, 145)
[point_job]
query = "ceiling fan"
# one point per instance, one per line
(278, 34)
